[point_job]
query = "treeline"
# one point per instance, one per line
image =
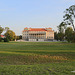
(66, 29)
(9, 35)
(67, 35)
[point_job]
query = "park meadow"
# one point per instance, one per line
(37, 58)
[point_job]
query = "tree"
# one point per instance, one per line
(7, 28)
(6, 40)
(69, 34)
(55, 35)
(61, 27)
(69, 16)
(73, 37)
(60, 34)
(1, 30)
(69, 30)
(19, 37)
(10, 35)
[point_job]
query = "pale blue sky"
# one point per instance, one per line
(18, 14)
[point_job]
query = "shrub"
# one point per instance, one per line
(73, 37)
(6, 40)
(0, 39)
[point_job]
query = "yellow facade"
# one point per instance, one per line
(38, 34)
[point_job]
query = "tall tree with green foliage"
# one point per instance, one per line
(61, 27)
(60, 34)
(69, 34)
(73, 37)
(69, 16)
(7, 28)
(56, 36)
(10, 35)
(1, 30)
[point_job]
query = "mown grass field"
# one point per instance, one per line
(37, 58)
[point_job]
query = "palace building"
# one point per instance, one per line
(37, 34)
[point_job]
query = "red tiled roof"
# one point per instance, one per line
(2, 36)
(38, 29)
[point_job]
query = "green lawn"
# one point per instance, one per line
(37, 58)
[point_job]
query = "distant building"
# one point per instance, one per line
(38, 34)
(2, 36)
